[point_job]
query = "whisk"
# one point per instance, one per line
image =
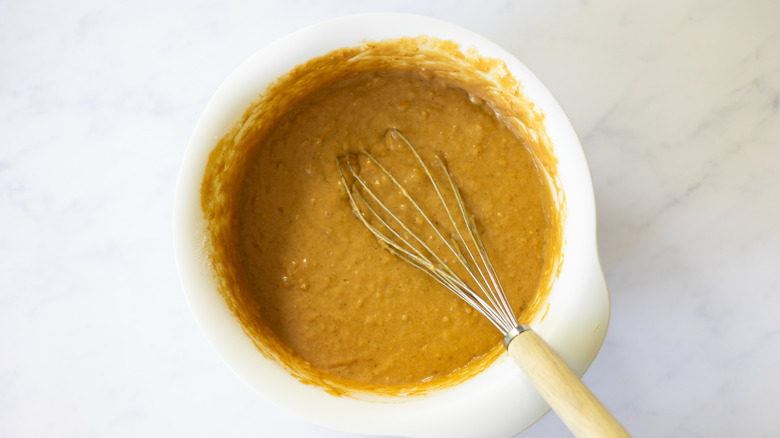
(454, 255)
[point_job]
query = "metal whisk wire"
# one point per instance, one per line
(392, 233)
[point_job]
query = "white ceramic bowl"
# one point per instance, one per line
(499, 402)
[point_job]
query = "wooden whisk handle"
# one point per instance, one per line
(577, 407)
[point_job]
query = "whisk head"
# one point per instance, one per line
(444, 244)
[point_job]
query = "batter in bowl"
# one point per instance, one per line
(309, 284)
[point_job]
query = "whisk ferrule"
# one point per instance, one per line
(511, 334)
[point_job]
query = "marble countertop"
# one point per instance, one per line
(677, 104)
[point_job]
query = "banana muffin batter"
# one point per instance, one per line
(309, 284)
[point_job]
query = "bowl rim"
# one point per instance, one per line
(574, 325)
